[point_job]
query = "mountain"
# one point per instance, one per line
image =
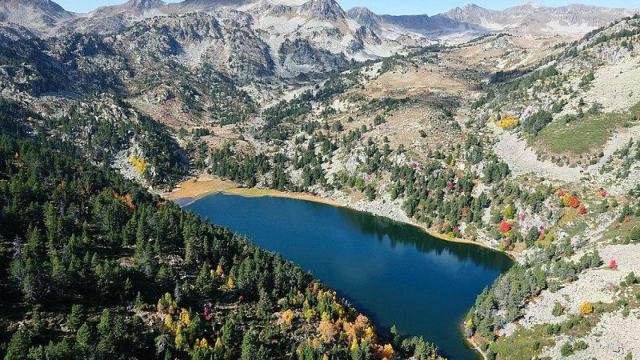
(135, 7)
(321, 25)
(539, 20)
(311, 36)
(429, 27)
(328, 10)
(200, 5)
(39, 15)
(112, 19)
(366, 17)
(436, 26)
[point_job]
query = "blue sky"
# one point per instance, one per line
(393, 6)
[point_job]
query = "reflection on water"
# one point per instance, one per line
(400, 233)
(394, 272)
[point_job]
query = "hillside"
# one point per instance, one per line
(517, 130)
(94, 264)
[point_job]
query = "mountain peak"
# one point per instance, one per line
(364, 16)
(534, 5)
(360, 10)
(323, 9)
(211, 4)
(42, 5)
(39, 15)
(144, 4)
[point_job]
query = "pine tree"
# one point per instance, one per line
(18, 346)
(76, 317)
(248, 349)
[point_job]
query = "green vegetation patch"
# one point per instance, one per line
(625, 231)
(523, 344)
(586, 135)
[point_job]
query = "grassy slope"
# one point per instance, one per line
(582, 136)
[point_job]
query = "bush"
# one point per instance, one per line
(566, 349)
(634, 235)
(558, 309)
(586, 308)
(537, 122)
(630, 279)
(580, 345)
(508, 122)
(491, 355)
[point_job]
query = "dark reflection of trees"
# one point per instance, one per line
(399, 233)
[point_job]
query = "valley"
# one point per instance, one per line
(517, 130)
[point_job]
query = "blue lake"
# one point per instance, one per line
(395, 273)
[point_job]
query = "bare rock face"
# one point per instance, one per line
(249, 39)
(39, 15)
(198, 39)
(538, 20)
(365, 17)
(199, 5)
(300, 56)
(323, 10)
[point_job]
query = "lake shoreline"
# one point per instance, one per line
(197, 188)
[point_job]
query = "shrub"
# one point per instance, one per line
(566, 349)
(558, 309)
(508, 122)
(630, 279)
(580, 345)
(491, 355)
(586, 308)
(634, 235)
(537, 122)
(613, 265)
(505, 227)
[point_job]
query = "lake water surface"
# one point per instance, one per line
(395, 273)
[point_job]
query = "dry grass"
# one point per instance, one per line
(413, 82)
(205, 185)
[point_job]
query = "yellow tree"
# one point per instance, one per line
(326, 330)
(185, 317)
(219, 271)
(286, 318)
(168, 322)
(179, 337)
(354, 345)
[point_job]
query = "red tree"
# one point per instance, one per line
(505, 227)
(208, 314)
(574, 202)
(613, 265)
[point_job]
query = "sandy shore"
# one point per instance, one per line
(202, 186)
(197, 188)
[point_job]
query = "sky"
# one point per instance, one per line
(394, 7)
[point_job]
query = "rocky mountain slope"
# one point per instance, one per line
(316, 35)
(589, 83)
(535, 19)
(42, 15)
